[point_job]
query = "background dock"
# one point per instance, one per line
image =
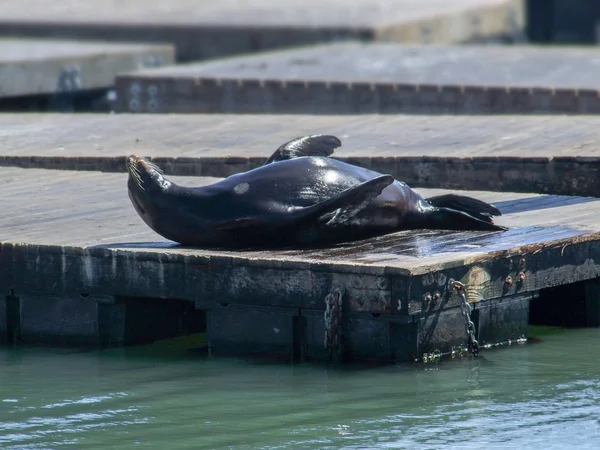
(563, 21)
(376, 78)
(205, 29)
(543, 154)
(72, 246)
(62, 72)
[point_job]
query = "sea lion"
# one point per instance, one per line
(300, 196)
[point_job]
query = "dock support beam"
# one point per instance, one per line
(252, 330)
(569, 305)
(497, 321)
(82, 319)
(9, 324)
(592, 303)
(289, 332)
(306, 334)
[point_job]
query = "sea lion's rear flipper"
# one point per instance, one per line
(469, 205)
(345, 205)
(452, 219)
(316, 145)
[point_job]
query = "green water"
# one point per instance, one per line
(544, 395)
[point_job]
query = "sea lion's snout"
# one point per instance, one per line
(145, 174)
(138, 165)
(137, 172)
(134, 158)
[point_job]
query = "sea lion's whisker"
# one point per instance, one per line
(138, 181)
(135, 174)
(155, 167)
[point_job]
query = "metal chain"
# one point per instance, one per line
(466, 310)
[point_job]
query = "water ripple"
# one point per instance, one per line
(544, 396)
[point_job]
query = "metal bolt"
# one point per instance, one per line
(521, 277)
(508, 281)
(427, 297)
(436, 296)
(456, 285)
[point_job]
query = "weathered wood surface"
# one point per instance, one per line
(205, 29)
(545, 154)
(64, 231)
(36, 66)
(375, 78)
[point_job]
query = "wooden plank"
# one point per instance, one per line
(546, 154)
(384, 78)
(84, 209)
(206, 29)
(33, 66)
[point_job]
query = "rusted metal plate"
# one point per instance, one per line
(375, 78)
(76, 232)
(546, 154)
(206, 29)
(36, 66)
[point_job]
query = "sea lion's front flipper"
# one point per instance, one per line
(345, 205)
(334, 211)
(316, 145)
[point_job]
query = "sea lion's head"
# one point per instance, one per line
(145, 175)
(145, 185)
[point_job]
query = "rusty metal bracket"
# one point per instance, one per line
(333, 342)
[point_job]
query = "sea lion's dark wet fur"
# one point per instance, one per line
(299, 197)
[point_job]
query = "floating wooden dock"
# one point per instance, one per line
(208, 29)
(544, 154)
(383, 78)
(78, 265)
(55, 68)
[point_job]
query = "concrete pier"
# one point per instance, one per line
(206, 29)
(385, 78)
(554, 155)
(55, 75)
